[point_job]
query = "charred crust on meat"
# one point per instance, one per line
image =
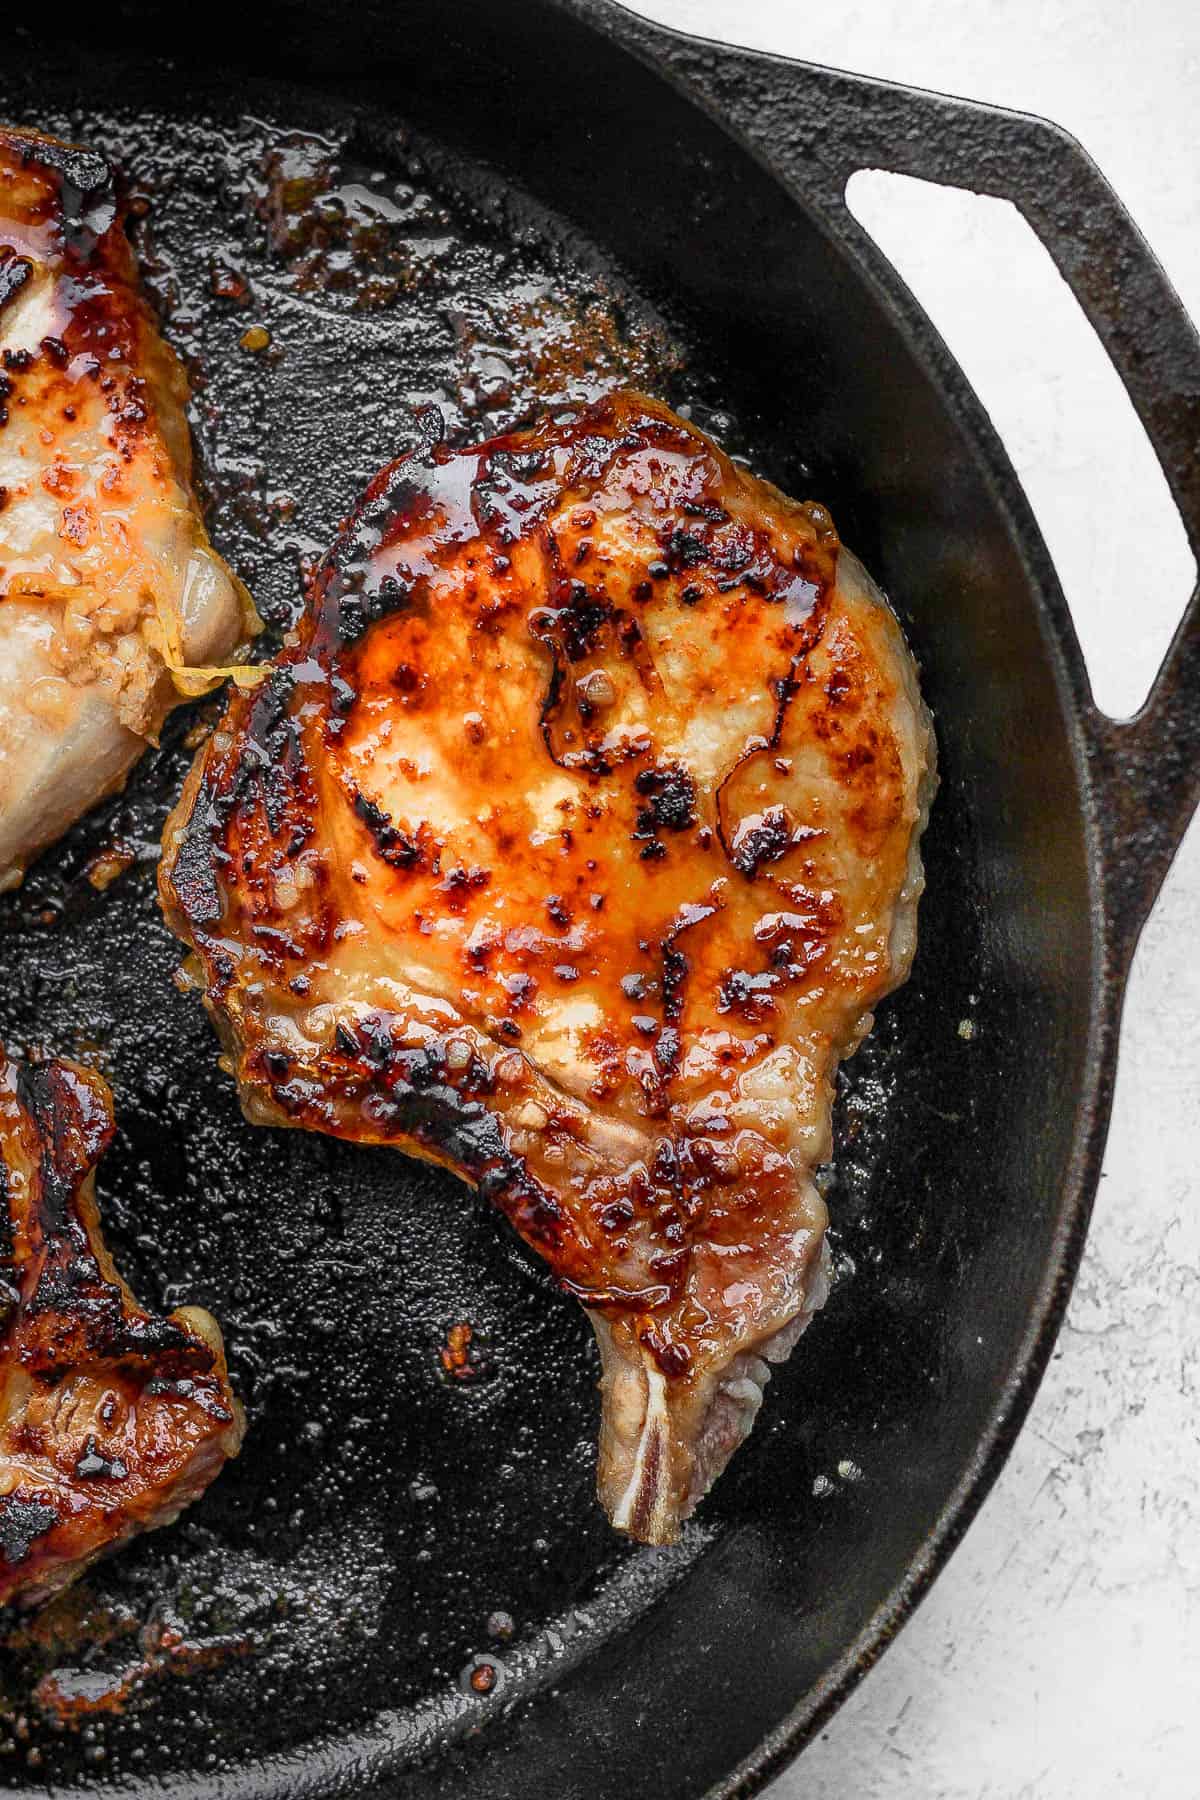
(90, 1453)
(409, 1093)
(195, 874)
(594, 907)
(15, 271)
(93, 1465)
(22, 1523)
(78, 188)
(685, 550)
(750, 995)
(74, 1127)
(397, 847)
(763, 839)
(83, 174)
(670, 793)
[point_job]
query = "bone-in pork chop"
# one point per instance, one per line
(570, 844)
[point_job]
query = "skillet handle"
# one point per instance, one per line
(1145, 770)
(815, 127)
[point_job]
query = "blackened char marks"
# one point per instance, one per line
(14, 273)
(749, 994)
(762, 838)
(397, 847)
(670, 794)
(676, 969)
(88, 1320)
(22, 1523)
(423, 494)
(195, 876)
(766, 836)
(74, 1128)
(278, 771)
(583, 625)
(348, 592)
(403, 1092)
(511, 492)
(93, 1465)
(84, 176)
(581, 620)
(273, 775)
(794, 942)
(685, 550)
(88, 1314)
(574, 627)
(114, 1419)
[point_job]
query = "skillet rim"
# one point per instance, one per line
(677, 56)
(1110, 944)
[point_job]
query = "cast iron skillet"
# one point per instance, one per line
(404, 1583)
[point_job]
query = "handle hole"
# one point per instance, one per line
(1058, 405)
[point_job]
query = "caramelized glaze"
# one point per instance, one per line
(570, 843)
(112, 1420)
(107, 579)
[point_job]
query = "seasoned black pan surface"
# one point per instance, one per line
(405, 1578)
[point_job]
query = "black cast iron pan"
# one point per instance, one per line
(404, 1584)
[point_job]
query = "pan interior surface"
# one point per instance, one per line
(406, 1568)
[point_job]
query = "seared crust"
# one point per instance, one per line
(569, 844)
(107, 578)
(112, 1420)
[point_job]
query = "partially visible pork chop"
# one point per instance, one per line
(570, 844)
(108, 583)
(111, 1420)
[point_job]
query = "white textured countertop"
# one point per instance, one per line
(1058, 1657)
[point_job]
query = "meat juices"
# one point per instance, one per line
(570, 844)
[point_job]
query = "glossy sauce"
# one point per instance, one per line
(562, 846)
